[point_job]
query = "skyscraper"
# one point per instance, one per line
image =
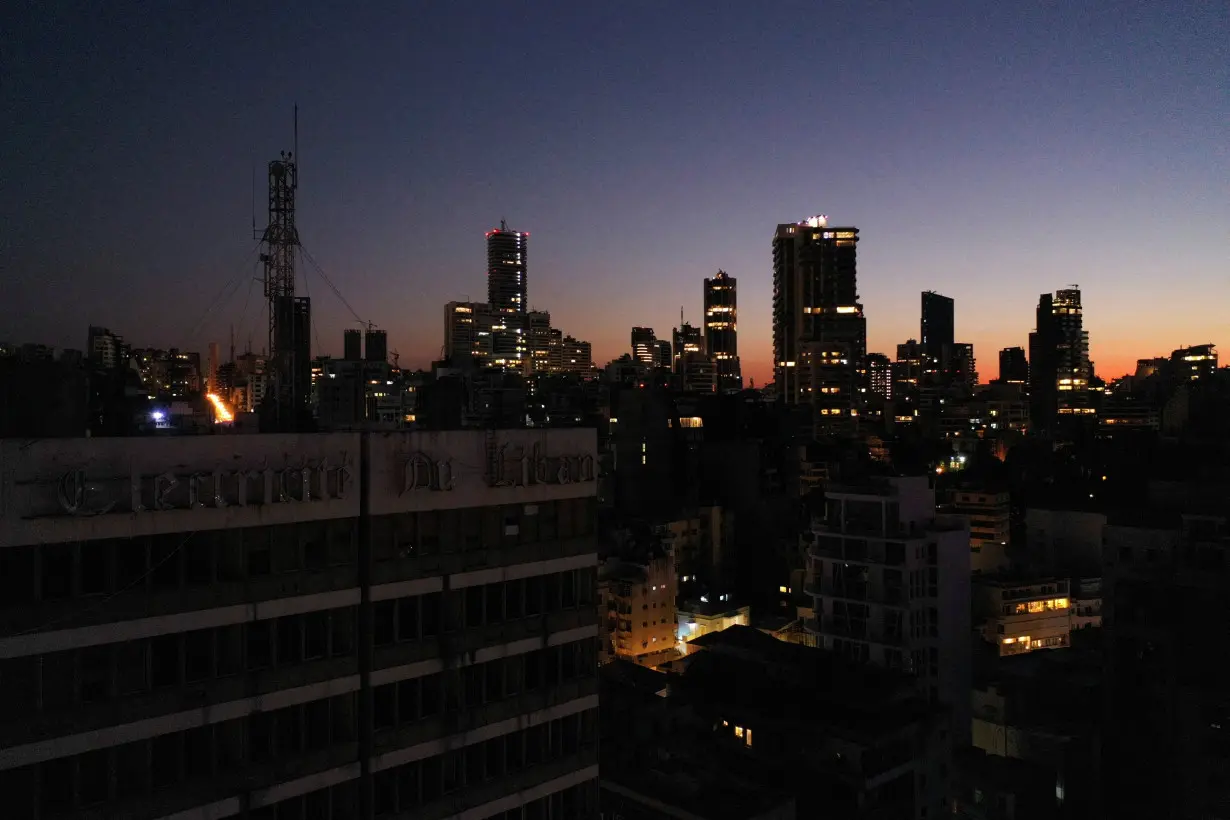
(538, 341)
(722, 329)
(467, 333)
(507, 293)
(644, 346)
(815, 302)
(1013, 366)
(936, 331)
(685, 339)
(1059, 370)
(962, 366)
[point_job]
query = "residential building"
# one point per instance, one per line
(312, 625)
(467, 334)
(507, 294)
(538, 340)
(637, 602)
(1193, 363)
(722, 329)
(890, 580)
(1021, 614)
(874, 747)
(880, 375)
(815, 300)
(989, 515)
(105, 349)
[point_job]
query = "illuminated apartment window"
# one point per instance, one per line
(784, 590)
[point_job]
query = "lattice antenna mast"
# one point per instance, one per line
(281, 241)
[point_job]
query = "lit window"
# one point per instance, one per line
(782, 589)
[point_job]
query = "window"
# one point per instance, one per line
(259, 644)
(408, 619)
(164, 660)
(95, 567)
(341, 631)
(94, 673)
(384, 615)
(57, 571)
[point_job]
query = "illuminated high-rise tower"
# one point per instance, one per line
(819, 331)
(506, 293)
(722, 330)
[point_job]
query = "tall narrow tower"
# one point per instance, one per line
(289, 316)
(722, 329)
(507, 295)
(819, 331)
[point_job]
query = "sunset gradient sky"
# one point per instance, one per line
(990, 151)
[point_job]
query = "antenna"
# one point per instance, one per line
(296, 180)
(233, 338)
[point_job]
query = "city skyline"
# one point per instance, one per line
(639, 173)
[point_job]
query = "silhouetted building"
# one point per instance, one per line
(685, 339)
(467, 334)
(722, 329)
(962, 366)
(105, 349)
(507, 293)
(352, 345)
(1059, 368)
(662, 355)
(644, 346)
(376, 346)
(1013, 366)
(880, 375)
(936, 330)
(815, 300)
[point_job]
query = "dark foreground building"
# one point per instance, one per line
(299, 626)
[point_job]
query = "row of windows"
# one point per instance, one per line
(177, 560)
(143, 767)
(419, 616)
(63, 680)
(340, 802)
(420, 782)
(408, 701)
(169, 562)
(452, 531)
(137, 769)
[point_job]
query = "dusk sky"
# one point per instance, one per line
(990, 151)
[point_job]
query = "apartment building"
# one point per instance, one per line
(989, 516)
(1024, 614)
(637, 600)
(299, 626)
(891, 584)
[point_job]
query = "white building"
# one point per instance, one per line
(334, 625)
(891, 585)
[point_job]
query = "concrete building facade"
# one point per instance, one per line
(891, 584)
(276, 626)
